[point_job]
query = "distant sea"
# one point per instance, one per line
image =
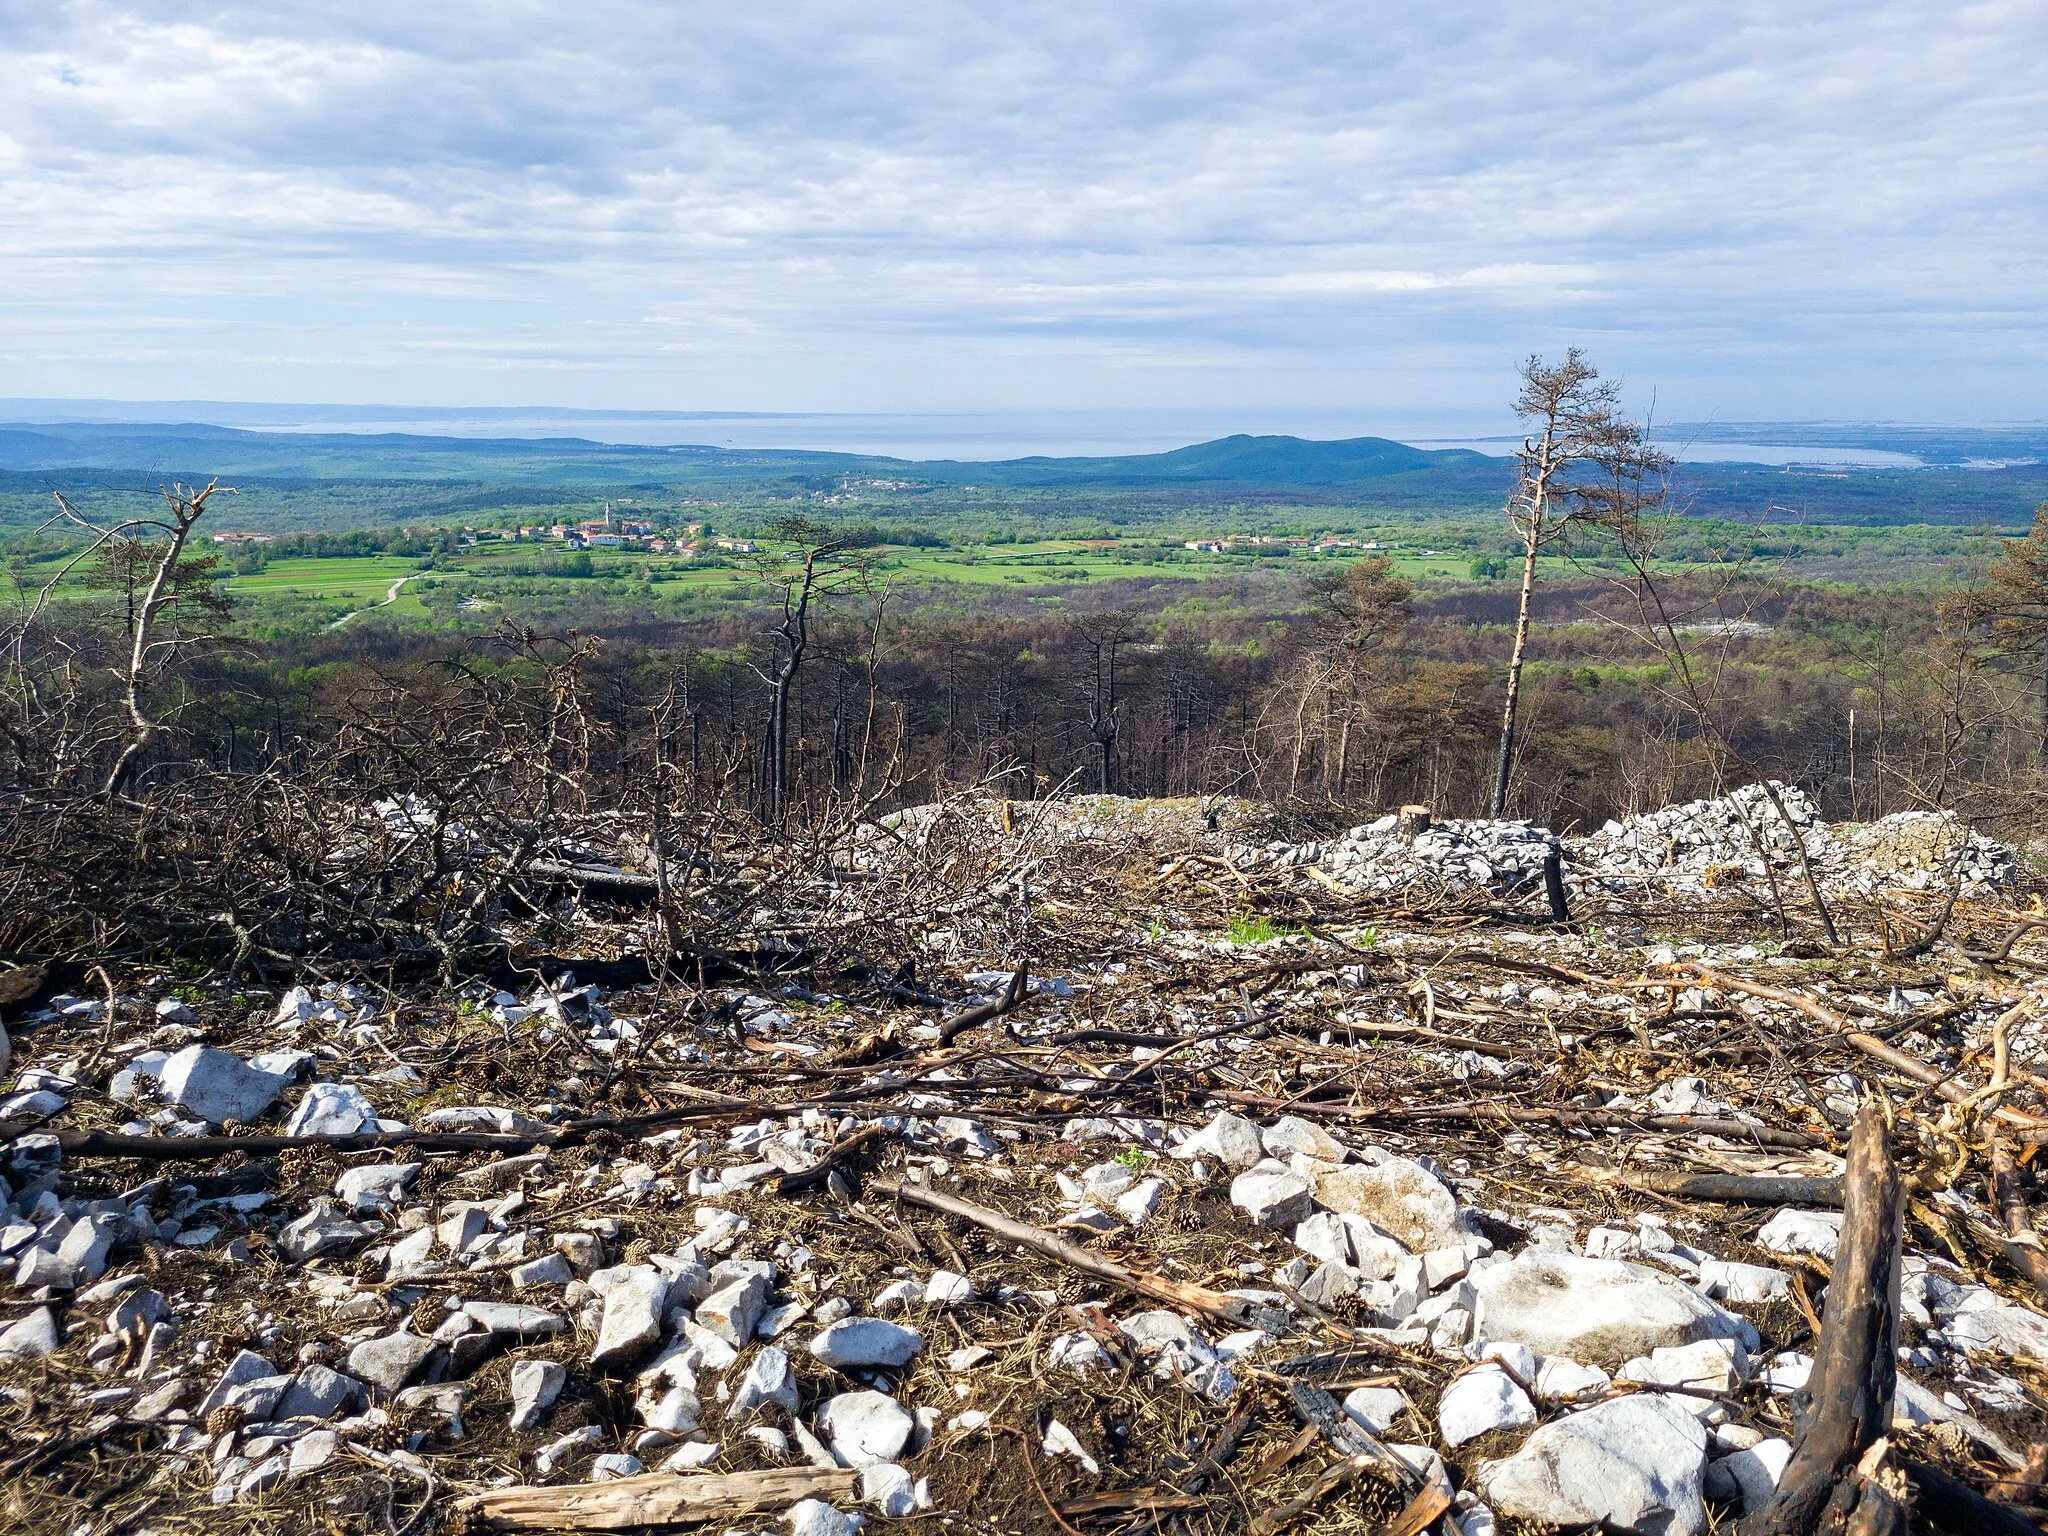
(983, 435)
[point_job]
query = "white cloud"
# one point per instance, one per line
(1757, 207)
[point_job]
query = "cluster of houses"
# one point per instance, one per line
(628, 534)
(1253, 543)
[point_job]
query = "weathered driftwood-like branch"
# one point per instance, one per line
(1949, 1504)
(1175, 1293)
(1831, 1483)
(659, 1498)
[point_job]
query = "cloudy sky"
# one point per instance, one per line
(1755, 210)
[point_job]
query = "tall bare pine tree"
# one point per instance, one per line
(1579, 457)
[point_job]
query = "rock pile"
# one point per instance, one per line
(1495, 856)
(1707, 841)
(1736, 841)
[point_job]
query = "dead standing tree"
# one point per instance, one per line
(1100, 638)
(173, 580)
(1579, 427)
(814, 565)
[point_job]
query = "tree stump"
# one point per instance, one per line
(1413, 821)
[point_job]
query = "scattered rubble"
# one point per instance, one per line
(1425, 1196)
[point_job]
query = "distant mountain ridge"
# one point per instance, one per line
(197, 449)
(428, 472)
(1238, 460)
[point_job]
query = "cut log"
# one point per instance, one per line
(658, 1498)
(1833, 1482)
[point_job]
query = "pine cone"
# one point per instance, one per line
(638, 1250)
(388, 1436)
(430, 1314)
(223, 1418)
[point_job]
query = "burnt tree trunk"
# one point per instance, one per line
(1831, 1484)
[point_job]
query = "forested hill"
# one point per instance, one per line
(35, 458)
(1239, 460)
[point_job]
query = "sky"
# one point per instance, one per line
(1354, 210)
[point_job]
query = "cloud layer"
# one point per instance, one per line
(1760, 209)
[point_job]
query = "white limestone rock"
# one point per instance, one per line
(1481, 1401)
(218, 1086)
(535, 1386)
(505, 1317)
(857, 1342)
(1291, 1134)
(243, 1369)
(890, 1489)
(1743, 1284)
(332, 1109)
(1401, 1198)
(318, 1392)
(1796, 1231)
(1637, 1463)
(1563, 1380)
(1375, 1408)
(375, 1186)
(814, 1517)
(1749, 1477)
(1138, 1204)
(631, 1324)
(1228, 1139)
(1594, 1309)
(1272, 1195)
(1982, 1319)
(33, 1335)
(947, 1289)
(311, 1452)
(389, 1362)
(1711, 1365)
(768, 1379)
(731, 1311)
(864, 1428)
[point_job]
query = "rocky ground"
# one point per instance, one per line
(1198, 1171)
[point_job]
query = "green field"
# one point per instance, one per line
(452, 583)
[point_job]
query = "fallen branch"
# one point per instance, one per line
(1873, 1047)
(1727, 1188)
(1175, 1293)
(658, 1498)
(1953, 1505)
(981, 1013)
(1589, 1119)
(836, 1156)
